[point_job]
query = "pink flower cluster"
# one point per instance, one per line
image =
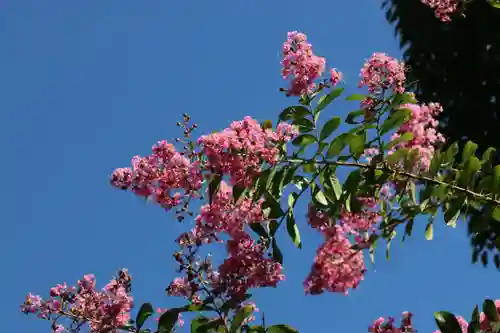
(382, 325)
(300, 64)
(423, 125)
(443, 8)
(247, 265)
(104, 310)
(240, 150)
(337, 267)
(382, 72)
(161, 175)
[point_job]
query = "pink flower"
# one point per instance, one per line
(300, 64)
(382, 325)
(369, 153)
(423, 126)
(382, 72)
(335, 76)
(337, 267)
(241, 150)
(161, 176)
(442, 8)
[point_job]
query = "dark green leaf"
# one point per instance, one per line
(267, 124)
(447, 322)
(198, 325)
(293, 229)
(327, 99)
(496, 178)
(337, 187)
(145, 311)
(304, 125)
(277, 255)
(304, 140)
(329, 127)
(490, 310)
(337, 145)
(213, 187)
(351, 116)
(352, 181)
(397, 156)
(356, 144)
(496, 213)
(468, 151)
(451, 152)
(309, 167)
(435, 164)
(256, 329)
(320, 197)
(398, 118)
(245, 312)
(429, 231)
(452, 212)
(356, 97)
(294, 112)
(281, 329)
(237, 192)
(259, 230)
(167, 320)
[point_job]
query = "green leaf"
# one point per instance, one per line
(237, 192)
(496, 178)
(429, 231)
(320, 197)
(496, 213)
(351, 116)
(304, 140)
(490, 310)
(281, 329)
(327, 99)
(356, 97)
(256, 329)
(304, 125)
(337, 145)
(167, 320)
(213, 187)
(259, 230)
(356, 144)
(267, 124)
(294, 112)
(309, 167)
(451, 152)
(398, 118)
(435, 164)
(494, 3)
(271, 207)
(468, 151)
(277, 255)
(329, 127)
(447, 322)
(352, 181)
(292, 197)
(245, 312)
(452, 213)
(145, 311)
(337, 187)
(405, 137)
(293, 229)
(397, 156)
(198, 325)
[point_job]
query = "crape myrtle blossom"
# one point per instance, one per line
(105, 310)
(300, 64)
(166, 175)
(382, 72)
(383, 325)
(423, 126)
(240, 150)
(443, 8)
(337, 266)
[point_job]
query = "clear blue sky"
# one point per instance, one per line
(85, 85)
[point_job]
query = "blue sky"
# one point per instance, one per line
(85, 85)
